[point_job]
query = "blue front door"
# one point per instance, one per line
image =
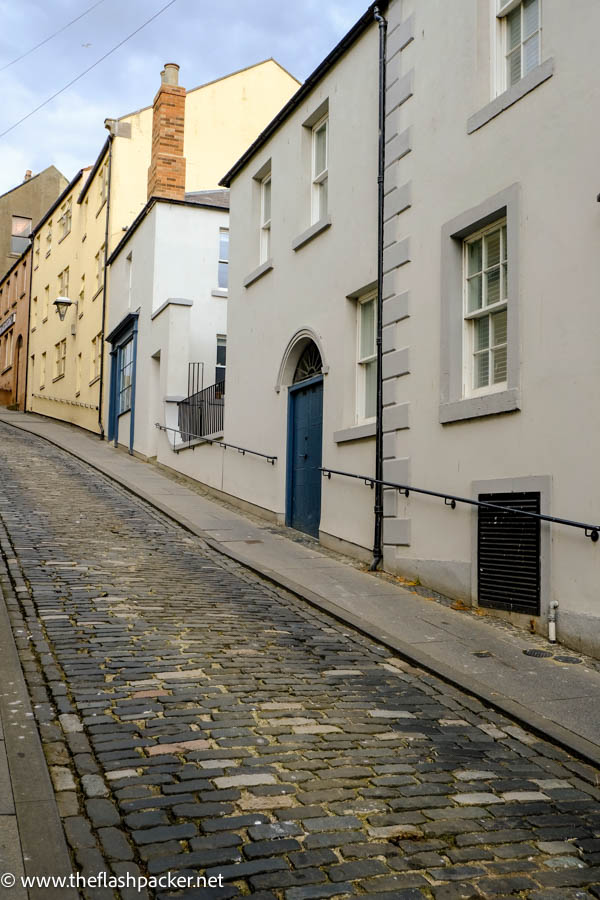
(304, 457)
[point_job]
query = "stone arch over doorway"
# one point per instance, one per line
(291, 356)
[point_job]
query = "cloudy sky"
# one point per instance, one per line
(207, 39)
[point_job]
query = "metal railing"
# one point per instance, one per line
(195, 378)
(205, 440)
(203, 412)
(591, 531)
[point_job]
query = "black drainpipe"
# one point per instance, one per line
(104, 290)
(378, 536)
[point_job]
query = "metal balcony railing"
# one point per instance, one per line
(202, 412)
(591, 531)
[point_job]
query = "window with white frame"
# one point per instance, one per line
(81, 295)
(37, 251)
(320, 172)
(60, 356)
(49, 237)
(99, 267)
(78, 375)
(43, 371)
(46, 305)
(34, 312)
(103, 184)
(224, 258)
(63, 282)
(66, 214)
(485, 311)
(265, 218)
(96, 357)
(520, 38)
(125, 376)
(367, 359)
(221, 358)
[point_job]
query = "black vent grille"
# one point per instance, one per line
(508, 554)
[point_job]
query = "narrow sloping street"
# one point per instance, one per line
(198, 720)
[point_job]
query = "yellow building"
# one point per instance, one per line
(67, 365)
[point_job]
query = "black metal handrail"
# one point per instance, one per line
(591, 531)
(206, 440)
(203, 411)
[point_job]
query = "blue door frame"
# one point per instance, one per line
(303, 475)
(126, 330)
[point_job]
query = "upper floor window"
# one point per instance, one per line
(224, 258)
(221, 358)
(265, 218)
(486, 295)
(37, 251)
(103, 183)
(21, 229)
(49, 237)
(63, 283)
(520, 22)
(320, 154)
(66, 215)
(367, 358)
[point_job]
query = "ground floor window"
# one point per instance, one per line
(125, 376)
(367, 359)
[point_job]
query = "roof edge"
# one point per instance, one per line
(95, 168)
(146, 209)
(206, 84)
(57, 202)
(324, 66)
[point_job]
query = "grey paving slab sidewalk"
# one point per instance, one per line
(556, 699)
(32, 841)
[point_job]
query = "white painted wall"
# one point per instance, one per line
(306, 288)
(548, 144)
(174, 256)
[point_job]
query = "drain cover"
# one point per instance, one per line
(538, 653)
(567, 659)
(482, 653)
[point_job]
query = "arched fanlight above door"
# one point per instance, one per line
(309, 364)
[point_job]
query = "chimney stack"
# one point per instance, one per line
(166, 175)
(27, 175)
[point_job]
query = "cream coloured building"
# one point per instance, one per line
(489, 308)
(67, 358)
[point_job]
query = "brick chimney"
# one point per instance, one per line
(166, 175)
(27, 175)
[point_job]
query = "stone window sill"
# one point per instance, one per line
(64, 236)
(523, 87)
(48, 252)
(94, 380)
(258, 273)
(355, 433)
(310, 233)
(103, 204)
(219, 292)
(6, 369)
(58, 378)
(98, 292)
(475, 407)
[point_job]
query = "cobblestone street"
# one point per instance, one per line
(198, 720)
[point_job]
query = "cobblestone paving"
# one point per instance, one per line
(198, 720)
